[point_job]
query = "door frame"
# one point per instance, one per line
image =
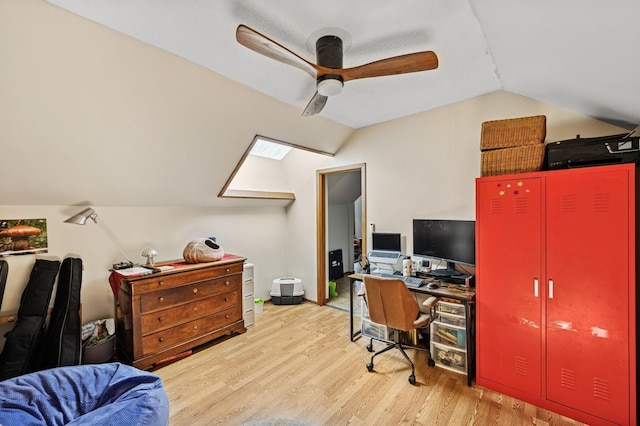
(321, 222)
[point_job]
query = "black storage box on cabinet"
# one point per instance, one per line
(584, 152)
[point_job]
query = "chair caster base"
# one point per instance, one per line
(412, 379)
(370, 347)
(370, 366)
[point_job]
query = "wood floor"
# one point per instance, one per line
(297, 366)
(342, 288)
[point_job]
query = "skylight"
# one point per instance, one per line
(256, 176)
(268, 149)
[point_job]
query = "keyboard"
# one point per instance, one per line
(409, 281)
(385, 257)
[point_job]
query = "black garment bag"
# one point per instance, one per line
(63, 340)
(4, 270)
(22, 348)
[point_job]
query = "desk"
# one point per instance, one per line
(450, 291)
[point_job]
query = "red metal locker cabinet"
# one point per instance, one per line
(509, 248)
(574, 335)
(587, 320)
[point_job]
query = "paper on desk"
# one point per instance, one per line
(136, 270)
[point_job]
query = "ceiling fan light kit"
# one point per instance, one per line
(329, 74)
(329, 86)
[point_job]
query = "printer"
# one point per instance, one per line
(583, 152)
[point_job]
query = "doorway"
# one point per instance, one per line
(341, 193)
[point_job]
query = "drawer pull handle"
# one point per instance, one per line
(161, 299)
(227, 283)
(195, 290)
(226, 299)
(195, 309)
(195, 327)
(160, 339)
(161, 319)
(160, 283)
(228, 269)
(227, 316)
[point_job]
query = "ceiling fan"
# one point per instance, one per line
(328, 72)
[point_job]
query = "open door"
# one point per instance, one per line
(323, 225)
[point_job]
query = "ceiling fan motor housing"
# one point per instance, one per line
(329, 54)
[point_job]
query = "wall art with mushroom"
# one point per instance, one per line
(23, 236)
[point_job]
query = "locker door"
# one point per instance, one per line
(509, 271)
(587, 328)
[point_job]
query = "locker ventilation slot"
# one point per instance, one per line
(495, 206)
(520, 206)
(568, 379)
(496, 359)
(600, 203)
(521, 366)
(601, 389)
(568, 203)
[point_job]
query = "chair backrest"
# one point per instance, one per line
(390, 302)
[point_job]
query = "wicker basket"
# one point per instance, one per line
(520, 159)
(513, 132)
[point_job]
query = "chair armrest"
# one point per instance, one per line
(430, 302)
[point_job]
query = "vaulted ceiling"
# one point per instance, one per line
(580, 55)
(149, 102)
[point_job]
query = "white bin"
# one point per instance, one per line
(286, 291)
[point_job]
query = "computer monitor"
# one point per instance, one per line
(453, 241)
(386, 241)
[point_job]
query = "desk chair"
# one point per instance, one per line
(390, 303)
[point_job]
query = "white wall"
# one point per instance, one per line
(260, 174)
(258, 234)
(301, 217)
(139, 125)
(424, 166)
(339, 228)
(357, 217)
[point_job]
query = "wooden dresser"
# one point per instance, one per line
(163, 314)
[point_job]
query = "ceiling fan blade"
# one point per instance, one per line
(265, 46)
(315, 105)
(411, 62)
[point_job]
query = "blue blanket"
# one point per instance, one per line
(100, 394)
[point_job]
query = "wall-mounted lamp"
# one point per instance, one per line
(89, 213)
(81, 218)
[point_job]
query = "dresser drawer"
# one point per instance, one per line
(170, 317)
(165, 339)
(184, 294)
(168, 280)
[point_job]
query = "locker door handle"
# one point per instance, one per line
(550, 289)
(535, 287)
